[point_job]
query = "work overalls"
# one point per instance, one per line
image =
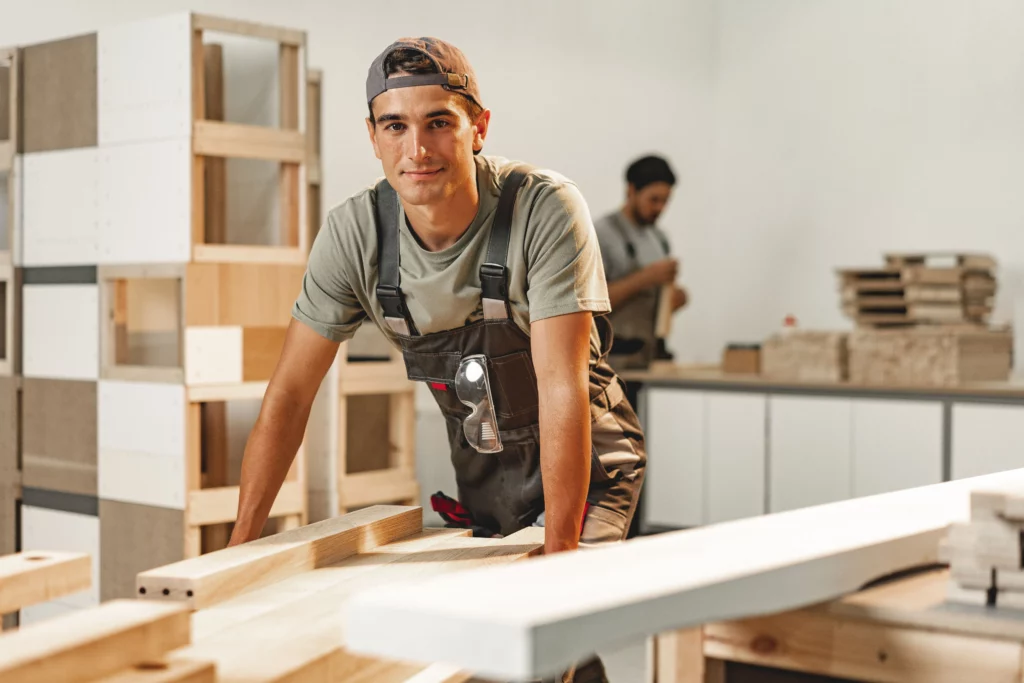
(502, 491)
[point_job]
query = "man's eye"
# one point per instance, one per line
(395, 126)
(439, 123)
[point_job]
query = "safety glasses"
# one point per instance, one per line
(473, 388)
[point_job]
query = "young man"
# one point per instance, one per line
(637, 263)
(488, 276)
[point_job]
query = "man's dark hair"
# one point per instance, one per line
(649, 169)
(415, 63)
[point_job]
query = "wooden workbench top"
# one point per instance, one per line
(712, 377)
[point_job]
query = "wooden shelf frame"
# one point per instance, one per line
(216, 139)
(10, 320)
(314, 140)
(9, 58)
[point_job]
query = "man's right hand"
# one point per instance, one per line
(662, 272)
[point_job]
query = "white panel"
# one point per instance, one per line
(60, 327)
(735, 456)
(5, 202)
(144, 86)
(986, 439)
(213, 355)
(145, 202)
(60, 195)
(896, 445)
(674, 434)
(141, 434)
(810, 451)
(18, 246)
(44, 529)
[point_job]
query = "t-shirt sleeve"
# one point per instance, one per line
(613, 250)
(564, 270)
(327, 302)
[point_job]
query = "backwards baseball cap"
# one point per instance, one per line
(453, 70)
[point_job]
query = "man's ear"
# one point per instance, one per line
(480, 127)
(371, 128)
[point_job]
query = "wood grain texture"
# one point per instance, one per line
(217, 576)
(91, 643)
(242, 141)
(243, 294)
(552, 612)
(177, 671)
(59, 105)
(59, 435)
(34, 577)
(135, 538)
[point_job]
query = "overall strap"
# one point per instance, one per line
(389, 291)
(494, 272)
(624, 234)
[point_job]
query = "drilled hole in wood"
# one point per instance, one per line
(167, 591)
(189, 594)
(35, 558)
(142, 591)
(151, 666)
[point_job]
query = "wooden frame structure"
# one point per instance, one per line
(10, 320)
(9, 150)
(314, 138)
(287, 144)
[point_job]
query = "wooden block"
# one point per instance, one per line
(988, 504)
(989, 543)
(145, 104)
(240, 141)
(59, 435)
(213, 355)
(163, 671)
(145, 202)
(933, 259)
(217, 576)
(33, 577)
(61, 331)
(741, 359)
(61, 207)
(93, 643)
(59, 102)
(136, 538)
(806, 355)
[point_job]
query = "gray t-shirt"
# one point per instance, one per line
(553, 258)
(648, 241)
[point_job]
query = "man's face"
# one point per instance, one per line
(425, 141)
(649, 202)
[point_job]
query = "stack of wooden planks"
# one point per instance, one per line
(986, 553)
(269, 610)
(921, 289)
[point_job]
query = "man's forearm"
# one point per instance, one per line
(624, 289)
(564, 460)
(269, 452)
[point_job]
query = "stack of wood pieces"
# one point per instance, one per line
(806, 356)
(986, 554)
(269, 610)
(921, 289)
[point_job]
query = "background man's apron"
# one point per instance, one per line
(502, 491)
(633, 321)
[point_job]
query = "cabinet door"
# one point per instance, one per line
(673, 489)
(735, 456)
(986, 439)
(896, 445)
(810, 451)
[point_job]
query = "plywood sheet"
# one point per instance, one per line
(136, 538)
(59, 94)
(60, 207)
(551, 612)
(61, 331)
(59, 435)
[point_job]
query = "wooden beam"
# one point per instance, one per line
(679, 656)
(290, 198)
(175, 671)
(29, 578)
(241, 141)
(207, 22)
(210, 393)
(220, 504)
(215, 180)
(91, 643)
(382, 486)
(249, 254)
(206, 580)
(549, 614)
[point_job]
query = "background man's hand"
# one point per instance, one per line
(662, 272)
(679, 298)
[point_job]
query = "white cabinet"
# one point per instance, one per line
(987, 438)
(735, 456)
(673, 489)
(810, 451)
(896, 445)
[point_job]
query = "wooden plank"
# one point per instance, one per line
(220, 504)
(241, 141)
(226, 392)
(34, 577)
(249, 254)
(207, 22)
(91, 643)
(548, 614)
(176, 671)
(384, 486)
(203, 581)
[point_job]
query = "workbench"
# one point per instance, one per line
(729, 446)
(899, 631)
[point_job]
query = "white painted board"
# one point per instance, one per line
(896, 445)
(531, 619)
(735, 475)
(144, 80)
(810, 453)
(141, 435)
(213, 355)
(675, 436)
(145, 205)
(986, 438)
(60, 207)
(60, 331)
(44, 529)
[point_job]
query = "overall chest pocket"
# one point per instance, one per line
(513, 384)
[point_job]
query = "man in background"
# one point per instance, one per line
(638, 262)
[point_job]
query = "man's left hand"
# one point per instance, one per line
(679, 297)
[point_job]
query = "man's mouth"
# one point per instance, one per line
(422, 174)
